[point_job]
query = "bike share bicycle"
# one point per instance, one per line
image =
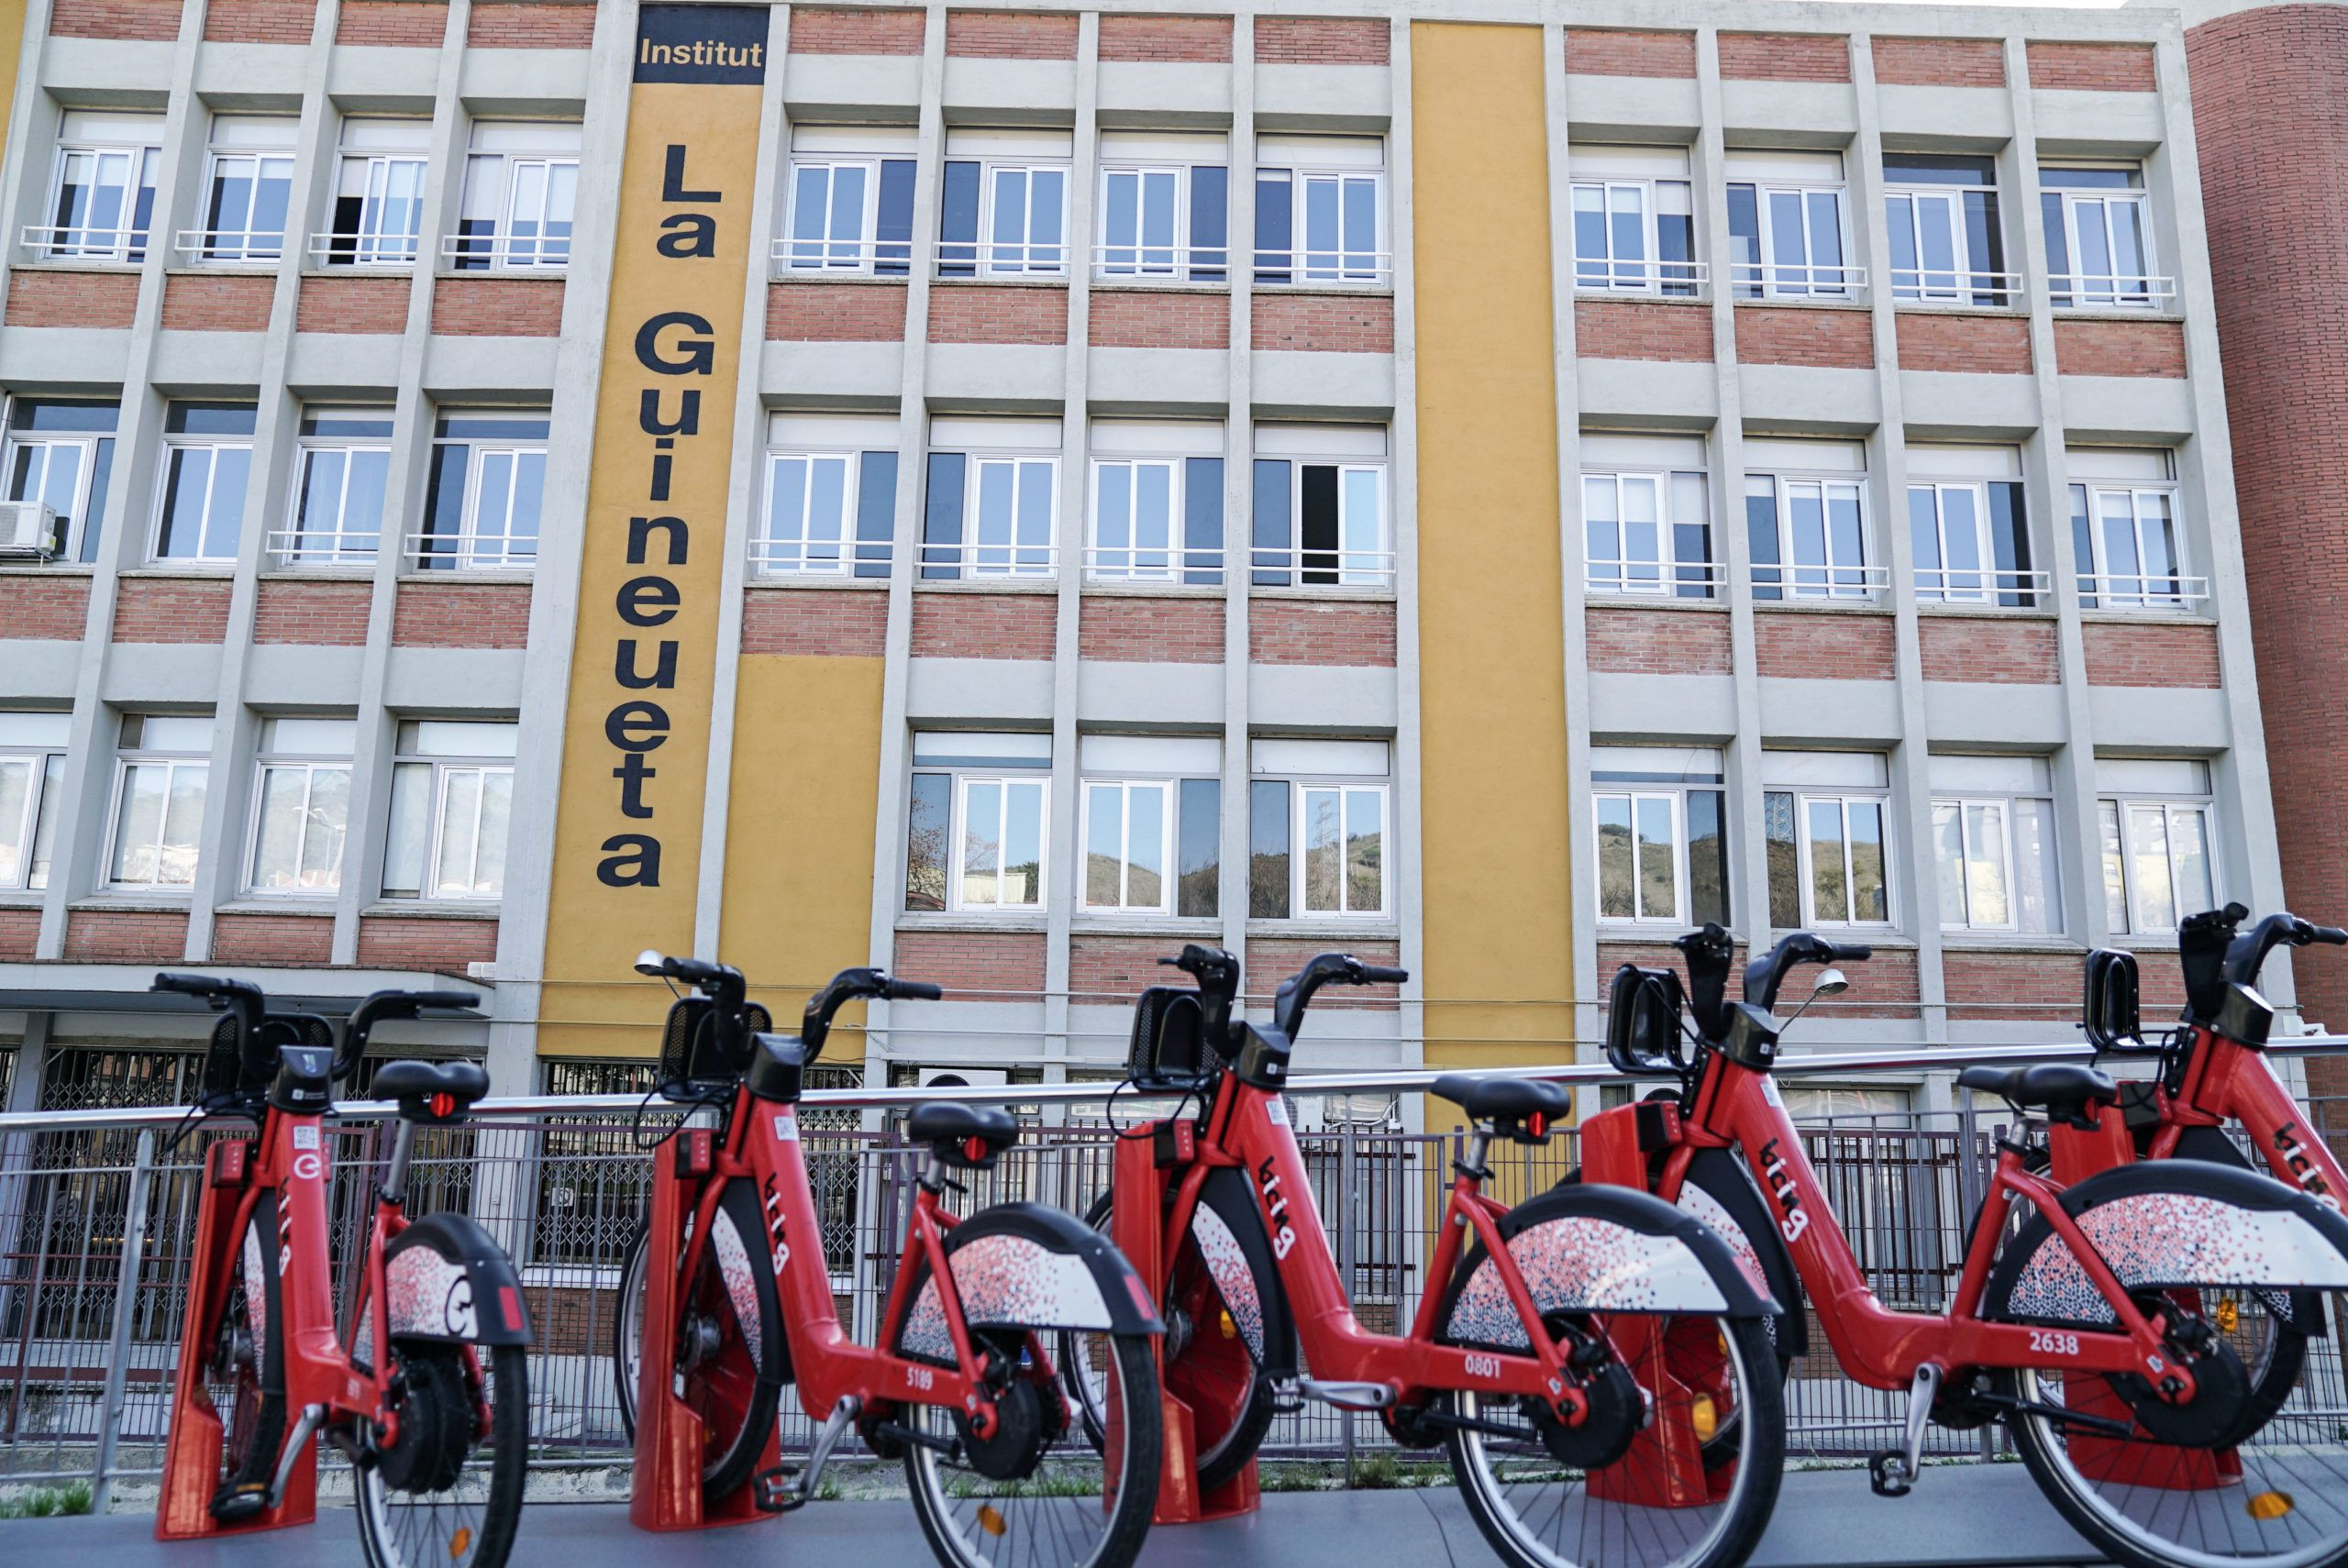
(727, 1297)
(2084, 1318)
(1546, 1354)
(436, 1440)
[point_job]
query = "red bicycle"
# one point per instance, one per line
(984, 1314)
(2091, 1316)
(1581, 1356)
(436, 1439)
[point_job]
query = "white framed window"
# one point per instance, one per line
(1165, 208)
(1003, 206)
(1788, 226)
(2156, 823)
(342, 462)
(850, 206)
(452, 806)
(378, 194)
(102, 188)
(1646, 520)
(157, 820)
(830, 506)
(1946, 248)
(521, 193)
(1826, 815)
(992, 506)
(208, 459)
(1805, 509)
(1321, 210)
(1321, 507)
(1662, 843)
(1968, 527)
(1157, 513)
(1634, 221)
(249, 188)
(1151, 825)
(32, 772)
(1317, 822)
(489, 475)
(2099, 236)
(978, 823)
(2126, 531)
(59, 453)
(301, 811)
(1993, 843)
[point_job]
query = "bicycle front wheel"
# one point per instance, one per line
(1677, 1465)
(442, 1494)
(244, 1365)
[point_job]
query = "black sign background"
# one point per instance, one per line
(734, 40)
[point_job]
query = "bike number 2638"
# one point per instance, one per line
(2045, 1344)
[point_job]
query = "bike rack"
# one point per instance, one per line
(1136, 1225)
(665, 1491)
(191, 1451)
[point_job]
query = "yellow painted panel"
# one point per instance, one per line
(12, 49)
(798, 904)
(1498, 918)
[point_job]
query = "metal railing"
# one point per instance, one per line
(97, 1210)
(1324, 265)
(1316, 568)
(801, 257)
(1951, 286)
(2110, 290)
(1979, 585)
(1802, 580)
(979, 562)
(1166, 563)
(506, 252)
(314, 547)
(1672, 280)
(1657, 579)
(365, 250)
(819, 557)
(80, 242)
(233, 246)
(470, 552)
(1135, 261)
(1796, 279)
(2140, 591)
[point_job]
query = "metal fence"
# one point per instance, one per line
(95, 1229)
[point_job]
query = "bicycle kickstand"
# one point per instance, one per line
(1895, 1471)
(781, 1489)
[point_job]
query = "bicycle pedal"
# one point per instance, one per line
(771, 1491)
(235, 1505)
(1887, 1475)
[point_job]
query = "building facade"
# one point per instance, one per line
(1484, 484)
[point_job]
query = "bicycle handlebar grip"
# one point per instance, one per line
(1380, 975)
(695, 972)
(188, 984)
(2330, 934)
(913, 990)
(1853, 952)
(443, 998)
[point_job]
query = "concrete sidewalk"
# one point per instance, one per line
(1972, 1516)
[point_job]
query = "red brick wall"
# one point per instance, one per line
(352, 304)
(1613, 956)
(2119, 347)
(1809, 646)
(1202, 39)
(41, 298)
(835, 313)
(854, 31)
(461, 615)
(44, 609)
(259, 21)
(1940, 62)
(1171, 630)
(1786, 57)
(1271, 959)
(115, 19)
(974, 965)
(217, 301)
(319, 614)
(499, 307)
(2093, 67)
(1012, 35)
(1329, 324)
(531, 24)
(1103, 969)
(1981, 345)
(997, 312)
(439, 943)
(2010, 653)
(838, 623)
(2263, 79)
(1619, 51)
(1292, 631)
(1624, 641)
(20, 934)
(2043, 988)
(1321, 40)
(2122, 655)
(408, 24)
(983, 625)
(1797, 335)
(126, 936)
(170, 610)
(1636, 329)
(1153, 318)
(286, 939)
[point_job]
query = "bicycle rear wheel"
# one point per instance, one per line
(444, 1493)
(244, 1368)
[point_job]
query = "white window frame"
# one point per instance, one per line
(44, 777)
(1675, 800)
(243, 246)
(1309, 265)
(2118, 809)
(1169, 807)
(1621, 576)
(122, 244)
(371, 244)
(1945, 590)
(1300, 790)
(1039, 780)
(1843, 799)
(1132, 258)
(1636, 275)
(831, 256)
(1832, 579)
(1010, 557)
(509, 252)
(2096, 591)
(1926, 284)
(1964, 805)
(214, 445)
(440, 769)
(48, 441)
(173, 765)
(772, 553)
(1172, 556)
(310, 768)
(2089, 291)
(1025, 256)
(475, 551)
(343, 546)
(1768, 281)
(1356, 565)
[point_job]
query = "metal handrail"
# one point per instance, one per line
(264, 245)
(1951, 285)
(1678, 280)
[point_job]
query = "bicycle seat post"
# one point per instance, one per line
(393, 1186)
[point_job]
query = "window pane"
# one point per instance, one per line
(1272, 530)
(1022, 843)
(1113, 516)
(1268, 850)
(1924, 541)
(1985, 867)
(1589, 236)
(1146, 846)
(1658, 860)
(1202, 519)
(927, 830)
(2148, 866)
(1200, 835)
(1601, 524)
(182, 824)
(328, 822)
(2037, 878)
(1365, 851)
(410, 828)
(2188, 842)
(2115, 865)
(1324, 852)
(1761, 536)
(45, 814)
(1948, 860)
(461, 803)
(1785, 859)
(1154, 514)
(826, 510)
(1104, 809)
(1627, 221)
(188, 480)
(1642, 521)
(1617, 870)
(1829, 897)
(1361, 524)
(138, 824)
(496, 817)
(1318, 523)
(1707, 857)
(277, 841)
(15, 801)
(1870, 891)
(981, 842)
(1210, 221)
(1844, 536)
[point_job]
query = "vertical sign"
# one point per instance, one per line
(635, 748)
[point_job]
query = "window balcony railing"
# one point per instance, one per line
(1305, 268)
(1806, 582)
(1321, 568)
(2167, 591)
(77, 242)
(1980, 586)
(458, 552)
(1788, 280)
(365, 250)
(842, 257)
(1940, 286)
(505, 253)
(293, 548)
(819, 558)
(981, 562)
(1153, 564)
(1672, 280)
(1653, 579)
(201, 245)
(1162, 263)
(2110, 290)
(1001, 258)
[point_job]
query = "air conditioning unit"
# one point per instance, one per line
(963, 1077)
(30, 531)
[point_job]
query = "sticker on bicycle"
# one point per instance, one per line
(307, 1167)
(305, 1137)
(786, 1126)
(1276, 1110)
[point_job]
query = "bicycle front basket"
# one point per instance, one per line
(1167, 1048)
(1642, 1011)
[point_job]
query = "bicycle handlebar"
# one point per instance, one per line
(1216, 970)
(381, 1005)
(1766, 975)
(852, 985)
(1295, 993)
